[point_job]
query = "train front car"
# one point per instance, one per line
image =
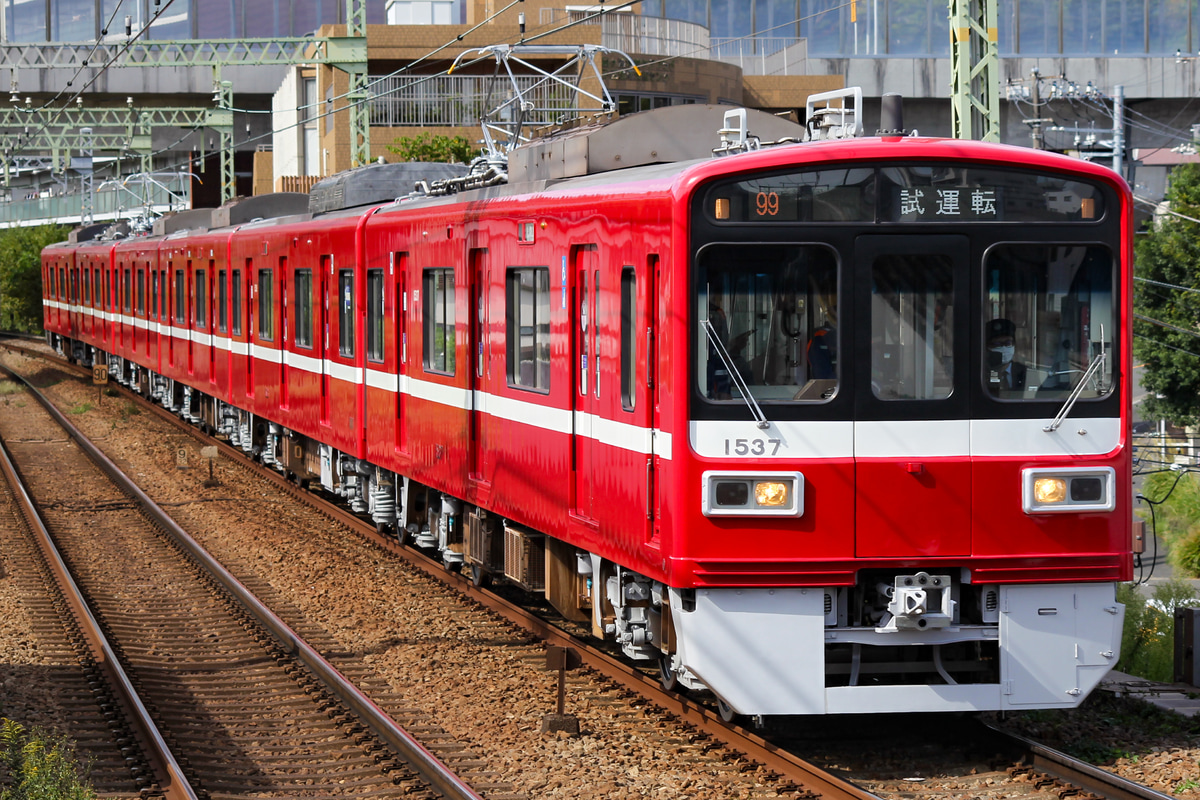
(906, 486)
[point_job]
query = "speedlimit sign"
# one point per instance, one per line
(100, 374)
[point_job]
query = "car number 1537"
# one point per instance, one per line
(752, 447)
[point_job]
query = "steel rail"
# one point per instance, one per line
(1079, 773)
(172, 782)
(1042, 758)
(736, 738)
(424, 762)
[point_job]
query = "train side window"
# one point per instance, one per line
(375, 314)
(180, 297)
(304, 308)
(61, 290)
(222, 301)
(346, 313)
(528, 327)
(236, 305)
(141, 292)
(628, 338)
(201, 298)
(96, 287)
(154, 294)
(438, 320)
(127, 294)
(266, 305)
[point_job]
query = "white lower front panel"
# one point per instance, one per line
(763, 652)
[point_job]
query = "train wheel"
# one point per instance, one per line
(726, 711)
(667, 675)
(480, 576)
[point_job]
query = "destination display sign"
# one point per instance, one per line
(910, 193)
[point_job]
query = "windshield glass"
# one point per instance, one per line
(775, 309)
(1048, 314)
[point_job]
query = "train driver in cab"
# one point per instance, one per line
(1004, 377)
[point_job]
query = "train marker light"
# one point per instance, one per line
(771, 493)
(1081, 489)
(721, 211)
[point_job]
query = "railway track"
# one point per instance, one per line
(198, 666)
(1011, 768)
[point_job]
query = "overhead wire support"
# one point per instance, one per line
(974, 70)
(347, 53)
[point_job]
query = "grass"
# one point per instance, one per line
(10, 387)
(82, 408)
(40, 766)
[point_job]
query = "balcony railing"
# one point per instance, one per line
(454, 101)
(637, 34)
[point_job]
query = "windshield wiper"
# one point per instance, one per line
(1066, 409)
(738, 380)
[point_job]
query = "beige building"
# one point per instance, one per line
(412, 93)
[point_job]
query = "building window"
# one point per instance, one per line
(528, 327)
(346, 313)
(266, 305)
(304, 308)
(438, 312)
(375, 314)
(422, 12)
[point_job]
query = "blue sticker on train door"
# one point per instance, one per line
(564, 283)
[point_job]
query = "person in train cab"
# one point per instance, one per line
(720, 384)
(1004, 375)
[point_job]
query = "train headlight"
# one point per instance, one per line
(1049, 490)
(740, 494)
(1076, 490)
(771, 494)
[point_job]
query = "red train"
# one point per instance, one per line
(832, 427)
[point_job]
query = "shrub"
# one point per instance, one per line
(1148, 636)
(40, 766)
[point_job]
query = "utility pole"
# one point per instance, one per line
(1118, 160)
(1036, 122)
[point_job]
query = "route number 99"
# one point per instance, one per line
(767, 204)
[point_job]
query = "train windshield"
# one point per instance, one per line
(768, 318)
(1050, 321)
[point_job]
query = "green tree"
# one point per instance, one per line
(21, 274)
(1170, 254)
(430, 147)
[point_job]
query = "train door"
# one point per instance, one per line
(283, 341)
(250, 320)
(323, 326)
(642, 394)
(400, 268)
(585, 263)
(477, 323)
(189, 317)
(912, 426)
